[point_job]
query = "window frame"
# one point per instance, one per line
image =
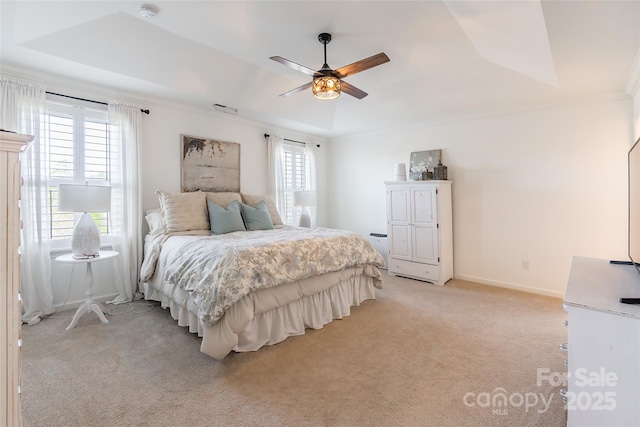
(79, 114)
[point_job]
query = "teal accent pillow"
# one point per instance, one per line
(257, 218)
(225, 220)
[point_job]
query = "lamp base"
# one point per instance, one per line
(305, 218)
(85, 241)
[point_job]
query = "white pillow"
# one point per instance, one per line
(155, 222)
(184, 211)
(270, 201)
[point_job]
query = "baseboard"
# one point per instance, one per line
(506, 285)
(72, 305)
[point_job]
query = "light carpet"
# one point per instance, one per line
(419, 355)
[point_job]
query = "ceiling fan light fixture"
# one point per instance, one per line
(326, 82)
(326, 87)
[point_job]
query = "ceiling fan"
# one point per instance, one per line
(327, 83)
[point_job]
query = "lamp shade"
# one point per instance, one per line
(84, 198)
(304, 198)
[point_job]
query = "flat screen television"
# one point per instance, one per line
(633, 238)
(633, 167)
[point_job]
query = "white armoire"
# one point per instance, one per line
(420, 230)
(11, 144)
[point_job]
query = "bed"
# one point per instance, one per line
(242, 289)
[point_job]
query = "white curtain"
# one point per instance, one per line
(23, 109)
(275, 151)
(310, 157)
(125, 130)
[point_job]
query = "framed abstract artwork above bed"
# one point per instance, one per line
(209, 165)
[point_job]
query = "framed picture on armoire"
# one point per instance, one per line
(423, 161)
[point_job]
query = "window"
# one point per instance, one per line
(76, 144)
(295, 178)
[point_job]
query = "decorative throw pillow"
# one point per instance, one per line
(225, 220)
(270, 201)
(184, 211)
(223, 198)
(256, 218)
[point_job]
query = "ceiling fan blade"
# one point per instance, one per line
(298, 89)
(361, 65)
(352, 90)
(293, 65)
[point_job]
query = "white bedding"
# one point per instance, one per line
(265, 316)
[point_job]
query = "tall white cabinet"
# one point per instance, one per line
(419, 230)
(11, 144)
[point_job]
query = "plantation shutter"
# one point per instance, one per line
(294, 178)
(78, 152)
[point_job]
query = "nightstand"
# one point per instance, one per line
(89, 304)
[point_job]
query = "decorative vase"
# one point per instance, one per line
(401, 172)
(440, 172)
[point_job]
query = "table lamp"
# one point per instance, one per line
(85, 241)
(304, 199)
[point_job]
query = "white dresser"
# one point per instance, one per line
(604, 344)
(420, 231)
(10, 309)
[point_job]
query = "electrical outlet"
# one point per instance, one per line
(525, 264)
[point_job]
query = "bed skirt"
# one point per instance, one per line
(269, 316)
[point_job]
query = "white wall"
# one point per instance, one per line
(540, 186)
(160, 154)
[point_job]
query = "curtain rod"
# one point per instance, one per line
(87, 100)
(266, 135)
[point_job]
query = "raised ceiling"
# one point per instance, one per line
(449, 59)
